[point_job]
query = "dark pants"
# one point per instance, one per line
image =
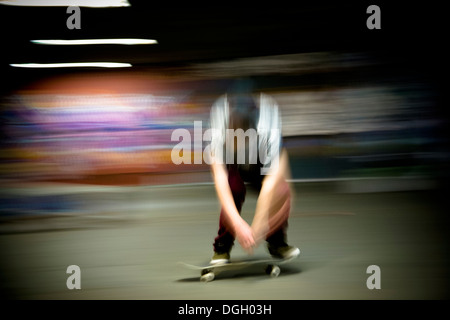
(236, 177)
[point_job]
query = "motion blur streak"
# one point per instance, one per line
(65, 3)
(117, 129)
(90, 152)
(125, 41)
(72, 65)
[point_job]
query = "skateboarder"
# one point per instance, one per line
(241, 109)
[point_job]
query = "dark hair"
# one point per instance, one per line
(243, 109)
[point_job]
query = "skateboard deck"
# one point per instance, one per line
(269, 265)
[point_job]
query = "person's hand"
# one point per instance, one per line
(244, 235)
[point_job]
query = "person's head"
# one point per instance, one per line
(243, 108)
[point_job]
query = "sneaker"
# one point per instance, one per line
(220, 258)
(283, 252)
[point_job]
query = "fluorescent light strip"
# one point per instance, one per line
(125, 41)
(67, 3)
(72, 65)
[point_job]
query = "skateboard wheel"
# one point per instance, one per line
(207, 277)
(275, 272)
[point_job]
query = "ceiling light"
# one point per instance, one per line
(72, 65)
(67, 3)
(126, 41)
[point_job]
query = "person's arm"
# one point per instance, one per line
(269, 213)
(233, 221)
(236, 225)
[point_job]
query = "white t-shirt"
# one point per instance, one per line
(267, 131)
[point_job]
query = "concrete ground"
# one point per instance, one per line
(128, 242)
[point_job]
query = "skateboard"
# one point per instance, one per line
(269, 265)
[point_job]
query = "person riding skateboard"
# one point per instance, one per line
(233, 163)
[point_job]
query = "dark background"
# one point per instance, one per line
(410, 35)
